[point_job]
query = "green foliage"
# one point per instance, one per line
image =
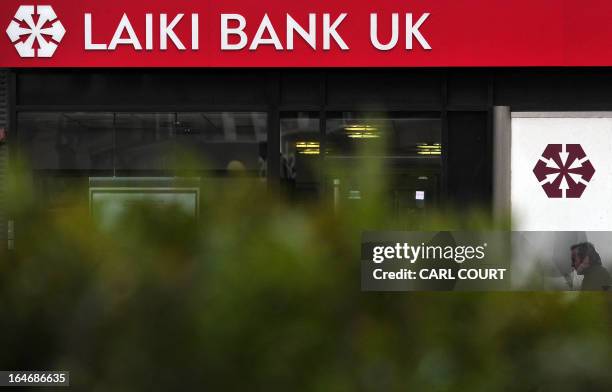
(261, 294)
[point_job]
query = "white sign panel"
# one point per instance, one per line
(108, 205)
(561, 171)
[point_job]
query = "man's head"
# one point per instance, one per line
(584, 256)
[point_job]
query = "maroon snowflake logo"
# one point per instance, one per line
(564, 170)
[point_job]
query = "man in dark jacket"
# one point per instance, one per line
(586, 262)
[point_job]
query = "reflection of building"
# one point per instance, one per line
(283, 124)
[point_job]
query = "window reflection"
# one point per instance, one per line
(300, 152)
(224, 141)
(144, 141)
(67, 141)
(402, 136)
(409, 145)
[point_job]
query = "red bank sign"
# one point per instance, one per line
(316, 33)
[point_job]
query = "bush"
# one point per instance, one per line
(261, 294)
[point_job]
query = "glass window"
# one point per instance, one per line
(64, 148)
(123, 143)
(408, 144)
(300, 152)
(145, 141)
(67, 141)
(225, 141)
(403, 135)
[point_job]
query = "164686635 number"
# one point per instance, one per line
(33, 378)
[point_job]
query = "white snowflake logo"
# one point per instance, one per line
(35, 38)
